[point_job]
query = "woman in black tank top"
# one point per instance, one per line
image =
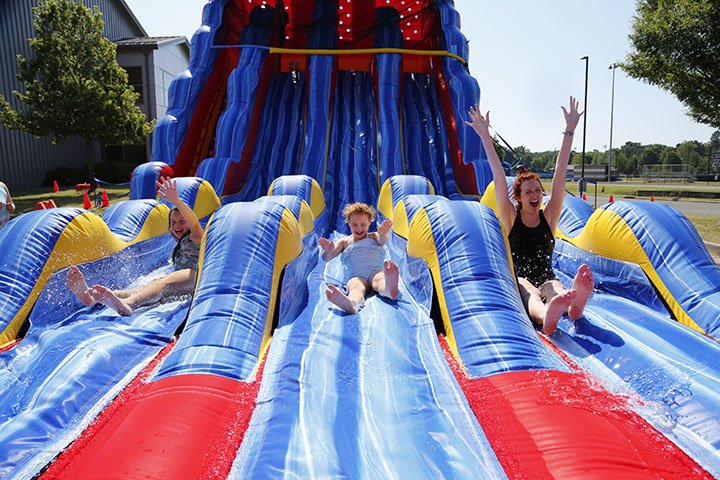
(532, 229)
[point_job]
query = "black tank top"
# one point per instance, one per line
(532, 250)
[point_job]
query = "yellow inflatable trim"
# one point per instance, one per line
(608, 235)
(288, 247)
(421, 244)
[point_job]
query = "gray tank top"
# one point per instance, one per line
(186, 254)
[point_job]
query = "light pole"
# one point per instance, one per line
(582, 169)
(612, 108)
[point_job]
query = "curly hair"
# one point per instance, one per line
(521, 177)
(358, 208)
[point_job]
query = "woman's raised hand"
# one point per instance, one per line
(479, 123)
(572, 117)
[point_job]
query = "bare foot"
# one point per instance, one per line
(583, 285)
(390, 269)
(105, 296)
(336, 296)
(555, 308)
(76, 283)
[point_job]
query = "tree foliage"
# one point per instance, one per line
(676, 46)
(73, 83)
(632, 157)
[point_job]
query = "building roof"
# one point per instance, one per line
(152, 42)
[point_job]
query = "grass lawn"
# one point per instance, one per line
(707, 226)
(25, 200)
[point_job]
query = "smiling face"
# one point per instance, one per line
(531, 193)
(178, 226)
(359, 224)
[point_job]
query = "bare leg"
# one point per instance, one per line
(106, 296)
(179, 282)
(78, 286)
(337, 297)
(386, 281)
(532, 300)
(583, 284)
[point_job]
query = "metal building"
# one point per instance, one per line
(151, 63)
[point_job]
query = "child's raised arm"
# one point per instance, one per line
(331, 249)
(383, 231)
(168, 191)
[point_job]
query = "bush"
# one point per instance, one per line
(113, 171)
(66, 176)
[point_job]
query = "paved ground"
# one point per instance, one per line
(685, 206)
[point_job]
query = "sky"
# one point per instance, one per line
(526, 56)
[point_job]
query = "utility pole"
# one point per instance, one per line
(582, 169)
(612, 108)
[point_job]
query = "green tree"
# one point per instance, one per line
(73, 84)
(669, 157)
(676, 46)
(633, 154)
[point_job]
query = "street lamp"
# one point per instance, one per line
(612, 107)
(582, 169)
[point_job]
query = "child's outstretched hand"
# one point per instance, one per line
(385, 227)
(168, 191)
(479, 123)
(326, 245)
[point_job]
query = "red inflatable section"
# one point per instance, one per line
(187, 426)
(463, 173)
(551, 424)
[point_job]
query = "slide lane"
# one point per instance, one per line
(280, 141)
(352, 167)
(74, 360)
(627, 338)
(189, 416)
(518, 401)
(362, 396)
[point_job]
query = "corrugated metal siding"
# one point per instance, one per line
(24, 160)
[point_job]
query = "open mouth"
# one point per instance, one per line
(535, 203)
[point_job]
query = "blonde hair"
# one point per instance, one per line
(360, 209)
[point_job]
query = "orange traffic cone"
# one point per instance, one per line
(86, 201)
(105, 201)
(652, 199)
(584, 197)
(612, 199)
(56, 189)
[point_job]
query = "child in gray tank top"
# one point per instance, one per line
(362, 255)
(185, 227)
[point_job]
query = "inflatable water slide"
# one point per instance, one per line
(287, 112)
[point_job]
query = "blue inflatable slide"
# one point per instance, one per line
(289, 111)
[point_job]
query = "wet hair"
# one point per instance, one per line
(358, 208)
(523, 176)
